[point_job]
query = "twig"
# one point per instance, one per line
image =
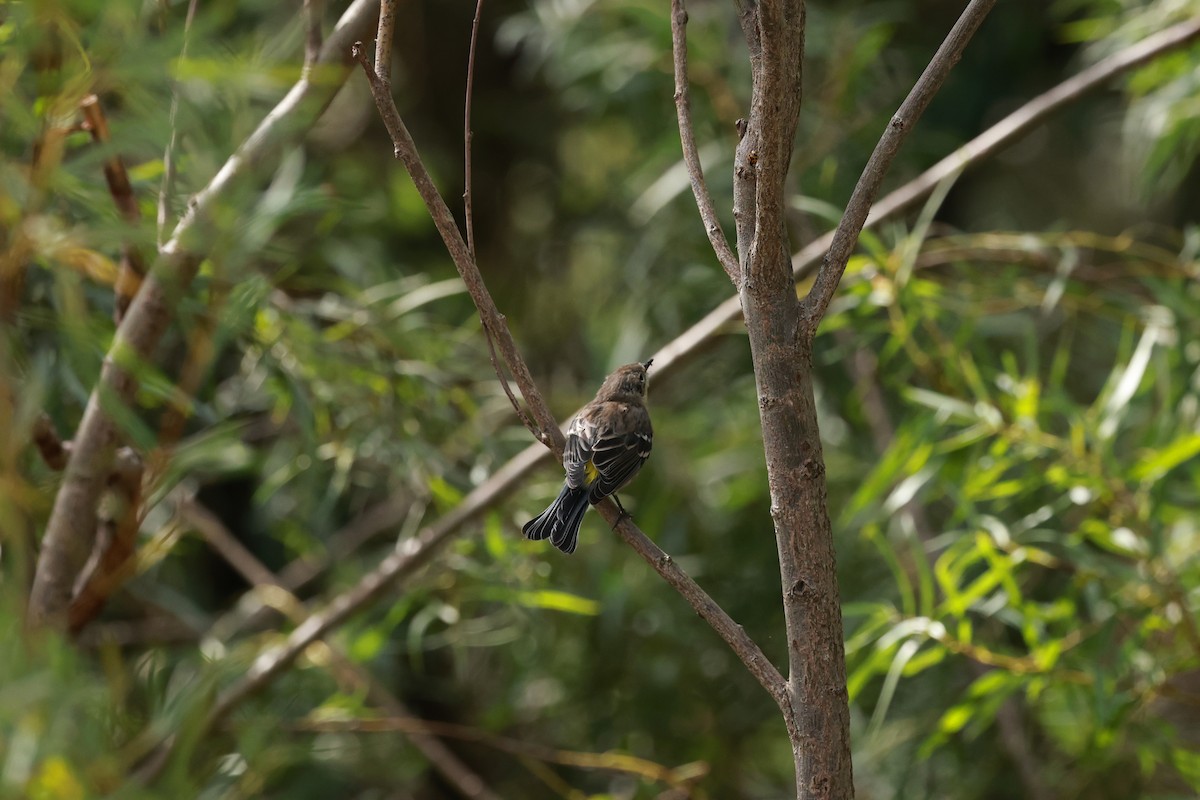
(15, 258)
(469, 216)
(383, 46)
(612, 762)
(196, 516)
(410, 554)
(744, 647)
(133, 266)
(405, 149)
(1031, 114)
(387, 514)
(413, 553)
(48, 443)
(468, 135)
(691, 157)
(111, 562)
(201, 350)
(249, 613)
(69, 532)
(846, 235)
(219, 537)
(312, 33)
(168, 182)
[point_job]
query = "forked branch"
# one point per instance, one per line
(845, 237)
(691, 156)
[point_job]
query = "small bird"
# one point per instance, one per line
(607, 443)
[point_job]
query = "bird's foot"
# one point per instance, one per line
(624, 515)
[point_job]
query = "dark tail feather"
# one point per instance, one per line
(560, 522)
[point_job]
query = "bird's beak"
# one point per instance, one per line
(648, 363)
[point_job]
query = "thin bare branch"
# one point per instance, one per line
(468, 135)
(682, 776)
(70, 530)
(48, 443)
(845, 237)
(745, 648)
(352, 675)
(691, 156)
(111, 562)
(469, 212)
(405, 149)
(312, 32)
(249, 613)
(411, 554)
(385, 515)
(167, 190)
(423, 732)
(383, 44)
(133, 266)
(1028, 116)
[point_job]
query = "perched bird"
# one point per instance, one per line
(607, 443)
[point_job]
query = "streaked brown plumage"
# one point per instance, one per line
(607, 443)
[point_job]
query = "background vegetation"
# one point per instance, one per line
(1007, 381)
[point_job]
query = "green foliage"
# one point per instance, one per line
(1053, 543)
(1162, 125)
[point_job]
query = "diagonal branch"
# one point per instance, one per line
(1028, 116)
(846, 236)
(681, 777)
(691, 157)
(167, 189)
(469, 211)
(405, 150)
(133, 267)
(744, 647)
(69, 533)
(357, 678)
(312, 32)
(383, 45)
(411, 554)
(468, 135)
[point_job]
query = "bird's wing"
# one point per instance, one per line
(578, 451)
(618, 455)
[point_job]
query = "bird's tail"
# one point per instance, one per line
(560, 521)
